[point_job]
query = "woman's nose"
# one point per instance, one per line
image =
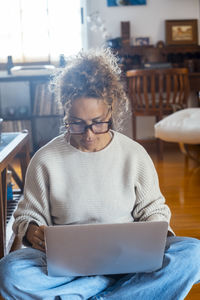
(89, 132)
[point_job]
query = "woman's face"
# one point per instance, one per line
(85, 111)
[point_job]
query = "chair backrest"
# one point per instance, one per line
(158, 91)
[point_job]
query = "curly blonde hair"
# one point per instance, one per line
(92, 74)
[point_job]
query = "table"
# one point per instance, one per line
(12, 144)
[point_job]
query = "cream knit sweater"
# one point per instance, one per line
(67, 186)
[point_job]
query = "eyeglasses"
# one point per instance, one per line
(81, 128)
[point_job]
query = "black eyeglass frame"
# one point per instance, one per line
(67, 125)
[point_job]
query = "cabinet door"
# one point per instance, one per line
(15, 100)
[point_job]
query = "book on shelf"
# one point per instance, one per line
(44, 101)
(18, 126)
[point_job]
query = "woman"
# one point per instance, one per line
(92, 174)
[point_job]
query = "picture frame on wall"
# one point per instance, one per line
(141, 41)
(181, 32)
(125, 2)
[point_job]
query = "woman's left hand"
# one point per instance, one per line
(35, 236)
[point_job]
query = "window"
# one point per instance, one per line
(39, 30)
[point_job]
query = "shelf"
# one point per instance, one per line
(166, 49)
(47, 116)
(27, 118)
(33, 93)
(134, 57)
(6, 78)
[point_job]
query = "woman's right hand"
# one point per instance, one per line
(35, 236)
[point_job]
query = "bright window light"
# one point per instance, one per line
(39, 30)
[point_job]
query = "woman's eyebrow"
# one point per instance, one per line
(73, 117)
(94, 119)
(100, 117)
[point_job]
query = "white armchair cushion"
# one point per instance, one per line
(182, 126)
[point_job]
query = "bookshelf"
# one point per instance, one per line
(134, 57)
(27, 103)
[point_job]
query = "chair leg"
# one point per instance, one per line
(134, 127)
(160, 148)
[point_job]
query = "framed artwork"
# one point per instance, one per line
(141, 41)
(125, 2)
(181, 32)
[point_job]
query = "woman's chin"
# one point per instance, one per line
(89, 146)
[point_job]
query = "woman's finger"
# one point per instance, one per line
(39, 234)
(39, 242)
(38, 247)
(42, 227)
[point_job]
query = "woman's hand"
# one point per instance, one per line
(35, 235)
(169, 233)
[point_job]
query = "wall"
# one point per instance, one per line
(146, 20)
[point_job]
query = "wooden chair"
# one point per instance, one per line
(157, 92)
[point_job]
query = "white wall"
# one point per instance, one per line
(146, 21)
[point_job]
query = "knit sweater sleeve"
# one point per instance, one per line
(34, 207)
(150, 204)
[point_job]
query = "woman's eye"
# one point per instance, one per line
(78, 123)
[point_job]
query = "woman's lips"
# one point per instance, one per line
(87, 141)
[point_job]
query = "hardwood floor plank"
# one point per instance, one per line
(180, 184)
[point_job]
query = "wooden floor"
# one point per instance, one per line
(180, 184)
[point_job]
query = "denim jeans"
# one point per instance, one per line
(23, 276)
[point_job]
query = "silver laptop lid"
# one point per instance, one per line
(97, 249)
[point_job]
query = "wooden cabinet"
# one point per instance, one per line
(134, 57)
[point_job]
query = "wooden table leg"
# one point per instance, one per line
(3, 211)
(16, 177)
(24, 160)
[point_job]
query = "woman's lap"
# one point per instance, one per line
(180, 270)
(23, 275)
(26, 271)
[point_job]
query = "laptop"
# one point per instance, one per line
(105, 249)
